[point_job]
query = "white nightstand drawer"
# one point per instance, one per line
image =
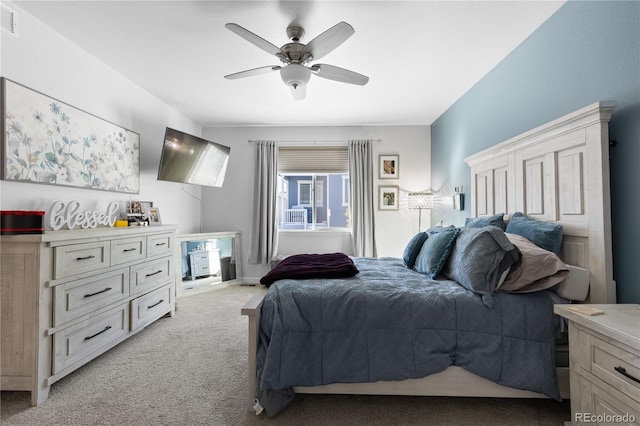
(149, 275)
(81, 297)
(84, 339)
(610, 407)
(146, 309)
(128, 250)
(78, 258)
(616, 366)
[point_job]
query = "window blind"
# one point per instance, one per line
(313, 159)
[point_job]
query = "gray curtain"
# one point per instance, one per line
(362, 198)
(264, 226)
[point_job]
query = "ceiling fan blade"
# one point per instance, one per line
(254, 39)
(329, 40)
(299, 92)
(252, 72)
(339, 74)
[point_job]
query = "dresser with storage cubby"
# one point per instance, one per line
(68, 296)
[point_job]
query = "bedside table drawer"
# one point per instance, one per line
(610, 406)
(616, 366)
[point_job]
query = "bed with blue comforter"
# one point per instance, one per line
(390, 322)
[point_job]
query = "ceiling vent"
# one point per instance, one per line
(9, 20)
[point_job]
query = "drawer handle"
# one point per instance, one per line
(161, 244)
(98, 292)
(623, 371)
(155, 304)
(85, 257)
(153, 273)
(129, 249)
(98, 333)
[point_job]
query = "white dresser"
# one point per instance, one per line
(68, 296)
(604, 357)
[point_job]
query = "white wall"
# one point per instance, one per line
(229, 208)
(47, 62)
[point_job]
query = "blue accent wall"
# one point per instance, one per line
(586, 52)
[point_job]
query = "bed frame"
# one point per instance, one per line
(557, 172)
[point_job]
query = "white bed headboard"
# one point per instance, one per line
(557, 172)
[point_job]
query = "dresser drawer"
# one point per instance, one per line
(149, 275)
(90, 337)
(128, 250)
(78, 258)
(158, 245)
(610, 363)
(202, 269)
(611, 407)
(151, 306)
(76, 298)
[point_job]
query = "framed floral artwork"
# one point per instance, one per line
(49, 141)
(389, 166)
(388, 197)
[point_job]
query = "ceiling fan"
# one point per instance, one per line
(295, 56)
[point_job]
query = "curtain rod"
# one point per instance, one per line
(314, 141)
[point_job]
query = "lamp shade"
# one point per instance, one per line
(295, 75)
(420, 200)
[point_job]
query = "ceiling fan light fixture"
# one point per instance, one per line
(295, 75)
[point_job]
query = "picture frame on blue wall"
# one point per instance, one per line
(48, 141)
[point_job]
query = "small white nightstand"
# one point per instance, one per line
(604, 358)
(204, 263)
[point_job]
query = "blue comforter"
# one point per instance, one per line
(392, 323)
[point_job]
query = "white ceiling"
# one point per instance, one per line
(421, 56)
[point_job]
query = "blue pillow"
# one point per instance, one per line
(479, 258)
(481, 222)
(435, 251)
(413, 248)
(546, 235)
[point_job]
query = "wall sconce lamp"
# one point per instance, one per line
(458, 198)
(420, 201)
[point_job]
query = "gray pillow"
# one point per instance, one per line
(413, 248)
(479, 258)
(539, 269)
(547, 235)
(435, 251)
(482, 221)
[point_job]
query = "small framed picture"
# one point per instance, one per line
(388, 197)
(154, 216)
(389, 166)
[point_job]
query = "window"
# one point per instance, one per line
(311, 182)
(346, 190)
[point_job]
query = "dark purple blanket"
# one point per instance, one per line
(302, 266)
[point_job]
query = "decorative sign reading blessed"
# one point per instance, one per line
(72, 217)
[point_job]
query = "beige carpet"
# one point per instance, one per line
(190, 370)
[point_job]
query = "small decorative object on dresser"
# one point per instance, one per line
(604, 358)
(154, 216)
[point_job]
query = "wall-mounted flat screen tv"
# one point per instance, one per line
(191, 159)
